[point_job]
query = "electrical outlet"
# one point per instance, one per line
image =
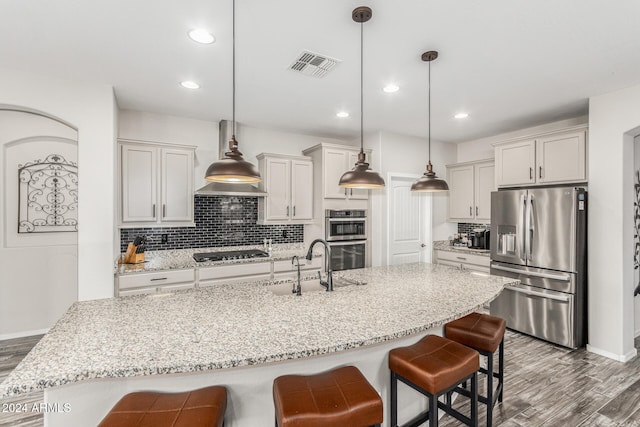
(164, 238)
(285, 234)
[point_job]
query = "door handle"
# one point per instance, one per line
(530, 173)
(476, 211)
(563, 277)
(470, 210)
(521, 230)
(294, 211)
(154, 210)
(422, 245)
(538, 294)
(540, 172)
(164, 210)
(287, 210)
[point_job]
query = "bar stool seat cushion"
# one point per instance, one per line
(480, 331)
(340, 397)
(202, 407)
(434, 363)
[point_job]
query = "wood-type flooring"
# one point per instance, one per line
(545, 385)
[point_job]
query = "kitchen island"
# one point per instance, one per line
(242, 336)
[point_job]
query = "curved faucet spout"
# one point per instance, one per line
(327, 262)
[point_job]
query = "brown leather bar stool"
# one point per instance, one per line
(484, 333)
(197, 408)
(433, 366)
(340, 397)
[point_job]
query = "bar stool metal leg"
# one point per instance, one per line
(501, 373)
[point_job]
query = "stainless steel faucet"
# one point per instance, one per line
(297, 289)
(328, 284)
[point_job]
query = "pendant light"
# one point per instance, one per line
(429, 182)
(361, 176)
(233, 168)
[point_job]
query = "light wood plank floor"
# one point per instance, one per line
(545, 385)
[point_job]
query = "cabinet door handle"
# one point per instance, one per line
(351, 192)
(154, 210)
(530, 173)
(345, 192)
(164, 210)
(287, 210)
(540, 171)
(461, 257)
(476, 211)
(294, 211)
(470, 210)
(158, 278)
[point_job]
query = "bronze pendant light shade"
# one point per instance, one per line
(233, 168)
(429, 182)
(361, 176)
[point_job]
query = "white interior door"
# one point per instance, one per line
(409, 222)
(39, 269)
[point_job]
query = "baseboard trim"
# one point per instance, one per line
(619, 357)
(23, 334)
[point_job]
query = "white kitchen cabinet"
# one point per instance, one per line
(557, 157)
(463, 261)
(288, 180)
(233, 273)
(156, 184)
(156, 281)
(470, 187)
(335, 161)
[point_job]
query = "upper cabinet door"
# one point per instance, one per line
(461, 200)
(356, 193)
(485, 183)
(139, 168)
(335, 164)
(278, 186)
(515, 163)
(177, 185)
(562, 158)
(301, 190)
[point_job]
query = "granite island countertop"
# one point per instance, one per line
(183, 258)
(236, 325)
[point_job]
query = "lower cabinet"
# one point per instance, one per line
(463, 261)
(170, 280)
(152, 282)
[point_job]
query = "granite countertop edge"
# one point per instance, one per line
(445, 245)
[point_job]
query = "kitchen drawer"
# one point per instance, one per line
(235, 270)
(229, 280)
(157, 278)
(457, 257)
(286, 265)
(169, 288)
(464, 266)
(137, 291)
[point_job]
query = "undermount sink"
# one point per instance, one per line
(311, 285)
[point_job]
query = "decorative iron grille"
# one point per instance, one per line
(48, 195)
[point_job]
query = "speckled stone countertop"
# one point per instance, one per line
(183, 258)
(242, 324)
(445, 245)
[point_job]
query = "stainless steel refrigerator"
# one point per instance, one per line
(538, 235)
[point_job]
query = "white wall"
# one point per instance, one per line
(91, 109)
(395, 153)
(614, 121)
(480, 149)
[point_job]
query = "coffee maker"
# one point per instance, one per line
(480, 238)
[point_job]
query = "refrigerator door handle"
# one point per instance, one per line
(521, 242)
(530, 227)
(537, 294)
(561, 277)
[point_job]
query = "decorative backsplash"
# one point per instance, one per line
(467, 227)
(220, 221)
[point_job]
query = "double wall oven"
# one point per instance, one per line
(346, 233)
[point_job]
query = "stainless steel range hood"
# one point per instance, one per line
(225, 189)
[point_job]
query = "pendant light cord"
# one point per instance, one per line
(429, 108)
(233, 67)
(361, 87)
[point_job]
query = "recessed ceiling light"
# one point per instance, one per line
(391, 88)
(190, 85)
(461, 115)
(201, 35)
(342, 114)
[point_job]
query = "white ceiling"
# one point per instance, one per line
(509, 63)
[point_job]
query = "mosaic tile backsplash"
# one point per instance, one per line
(220, 221)
(467, 227)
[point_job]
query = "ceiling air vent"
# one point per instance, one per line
(313, 64)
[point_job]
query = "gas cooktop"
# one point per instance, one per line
(229, 255)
